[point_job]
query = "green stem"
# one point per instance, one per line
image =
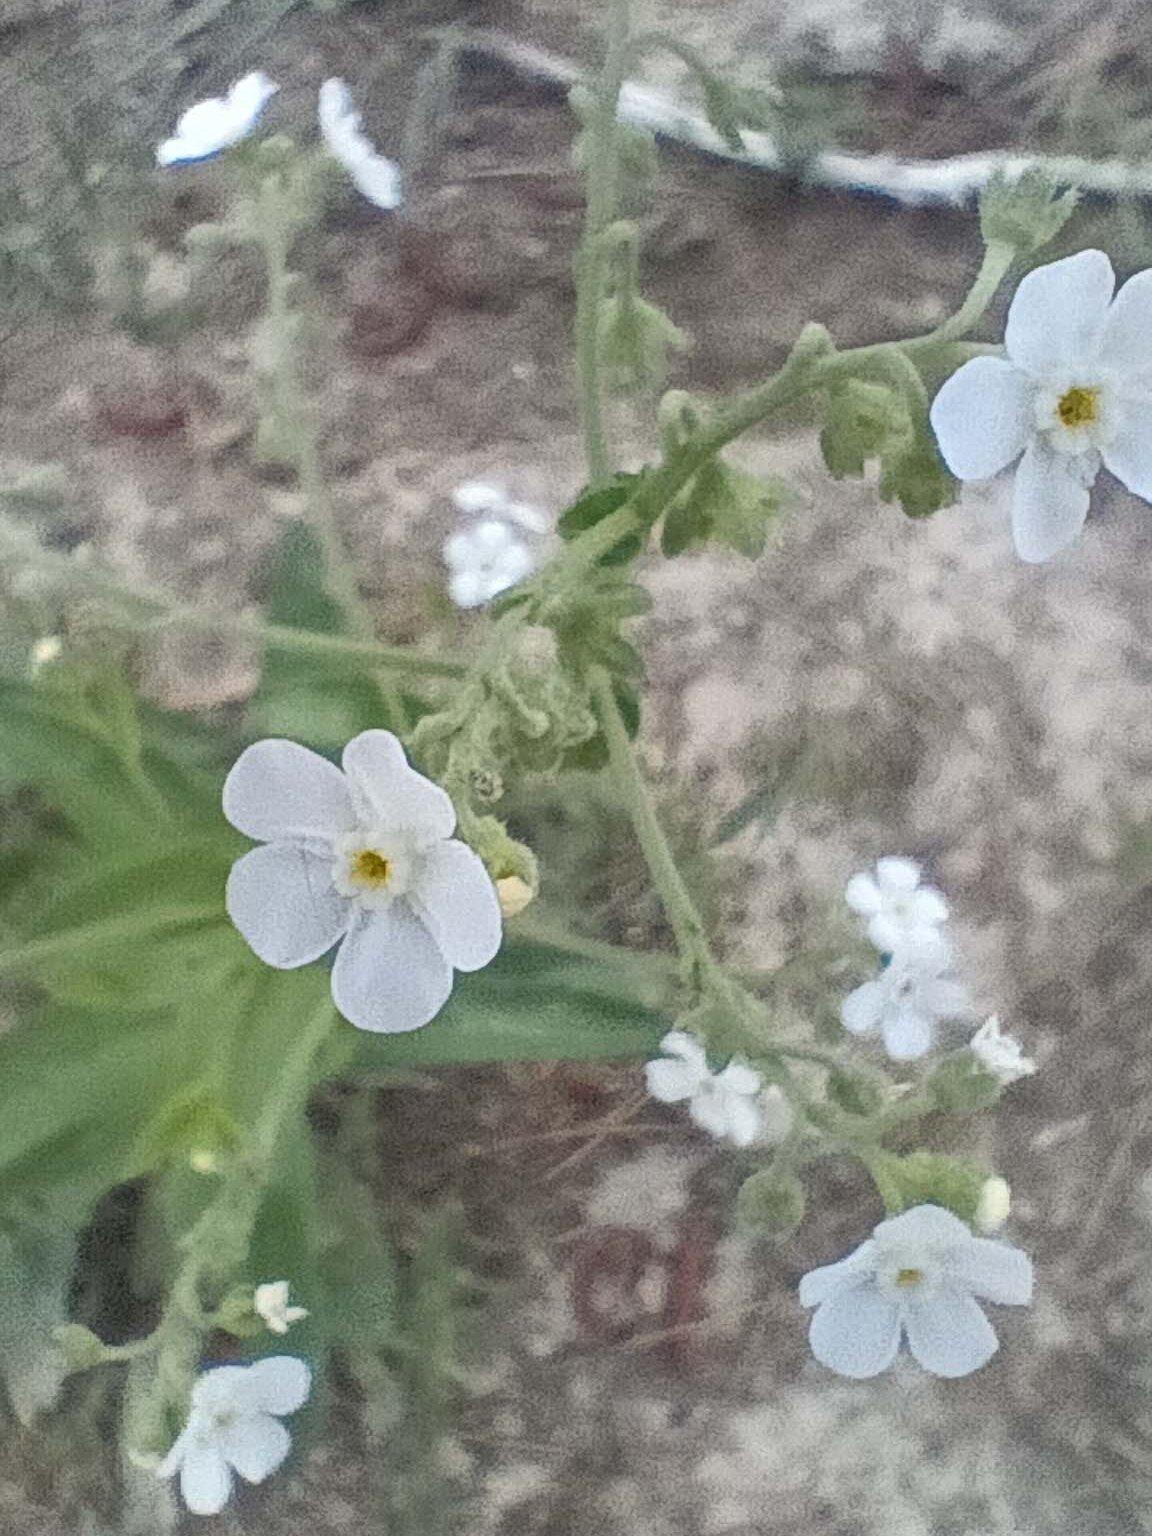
(686, 923)
(998, 257)
(602, 178)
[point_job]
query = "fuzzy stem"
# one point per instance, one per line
(602, 176)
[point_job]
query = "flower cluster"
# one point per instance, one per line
(212, 126)
(489, 553)
(914, 991)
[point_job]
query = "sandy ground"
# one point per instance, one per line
(941, 699)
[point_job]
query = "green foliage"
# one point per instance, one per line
(299, 697)
(592, 506)
(36, 1256)
(929, 1178)
(636, 340)
(724, 506)
(867, 419)
(960, 1085)
(771, 1201)
(1024, 212)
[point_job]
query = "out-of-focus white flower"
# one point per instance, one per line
(1001, 1055)
(904, 1004)
(270, 1302)
(45, 652)
(213, 125)
(371, 173)
(474, 498)
(1073, 392)
(234, 1426)
(363, 858)
(899, 910)
(917, 1276)
(727, 1104)
(994, 1204)
(484, 561)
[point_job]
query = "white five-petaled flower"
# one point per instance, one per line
(270, 1302)
(234, 1426)
(918, 1276)
(210, 126)
(1073, 392)
(371, 173)
(729, 1104)
(476, 497)
(484, 561)
(899, 910)
(363, 858)
(1001, 1055)
(906, 1001)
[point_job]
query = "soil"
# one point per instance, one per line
(642, 1369)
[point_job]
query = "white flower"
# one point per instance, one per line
(727, 1104)
(484, 561)
(375, 177)
(210, 126)
(1073, 392)
(994, 1204)
(899, 909)
(906, 1001)
(234, 1426)
(476, 497)
(364, 859)
(271, 1303)
(918, 1276)
(1001, 1055)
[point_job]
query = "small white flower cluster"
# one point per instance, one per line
(270, 1303)
(362, 858)
(490, 554)
(1074, 393)
(234, 1427)
(733, 1104)
(214, 125)
(915, 992)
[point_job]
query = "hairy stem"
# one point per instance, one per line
(602, 184)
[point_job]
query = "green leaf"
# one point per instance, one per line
(304, 698)
(534, 1003)
(593, 506)
(861, 418)
(918, 478)
(36, 1259)
(724, 506)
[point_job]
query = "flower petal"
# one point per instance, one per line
(1056, 320)
(925, 1226)
(175, 1457)
(390, 793)
(996, 1271)
(255, 1445)
(1127, 344)
(279, 789)
(281, 898)
(390, 975)
(744, 1121)
(670, 1082)
(205, 1481)
(710, 1112)
(1049, 505)
(277, 1384)
(739, 1078)
(1129, 453)
(856, 1332)
(378, 179)
(908, 1033)
(679, 1043)
(948, 1333)
(982, 418)
(818, 1285)
(863, 895)
(862, 1010)
(898, 875)
(457, 901)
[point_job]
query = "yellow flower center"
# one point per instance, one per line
(909, 1277)
(369, 869)
(1078, 407)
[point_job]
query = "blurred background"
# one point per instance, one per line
(624, 1362)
